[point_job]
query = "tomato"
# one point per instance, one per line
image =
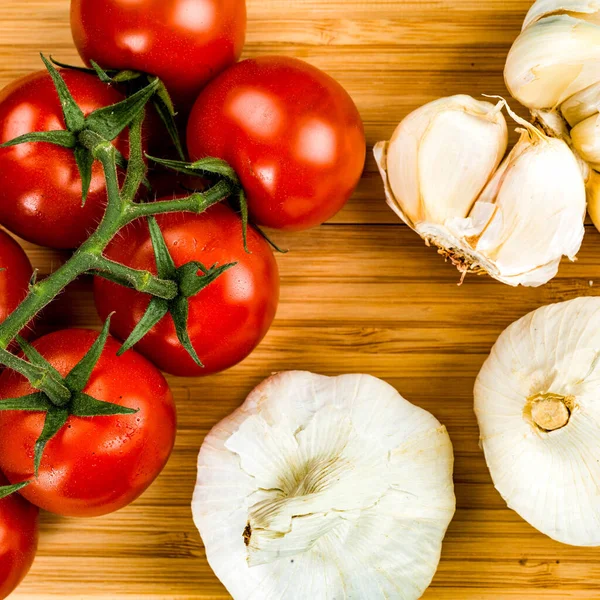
(291, 132)
(15, 274)
(18, 540)
(227, 319)
(40, 186)
(184, 42)
(97, 465)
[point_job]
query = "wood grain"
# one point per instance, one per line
(359, 294)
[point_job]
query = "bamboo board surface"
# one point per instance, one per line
(361, 294)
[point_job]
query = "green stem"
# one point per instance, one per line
(196, 203)
(136, 169)
(40, 295)
(142, 281)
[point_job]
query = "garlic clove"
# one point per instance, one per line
(322, 487)
(536, 400)
(586, 139)
(583, 9)
(582, 105)
(538, 196)
(441, 156)
(553, 59)
(593, 197)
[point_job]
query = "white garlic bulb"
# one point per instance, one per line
(529, 215)
(536, 400)
(325, 488)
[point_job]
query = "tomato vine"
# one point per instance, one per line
(90, 138)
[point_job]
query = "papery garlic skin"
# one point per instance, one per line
(536, 400)
(553, 59)
(325, 488)
(443, 155)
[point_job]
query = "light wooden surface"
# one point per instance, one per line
(360, 294)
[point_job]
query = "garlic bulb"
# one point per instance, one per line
(325, 488)
(536, 400)
(518, 227)
(553, 68)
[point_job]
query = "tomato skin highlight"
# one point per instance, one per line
(227, 319)
(40, 186)
(93, 466)
(19, 532)
(292, 133)
(15, 274)
(184, 42)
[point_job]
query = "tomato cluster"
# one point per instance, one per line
(296, 143)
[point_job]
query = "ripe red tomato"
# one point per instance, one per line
(18, 540)
(40, 186)
(227, 319)
(291, 132)
(97, 465)
(184, 42)
(15, 274)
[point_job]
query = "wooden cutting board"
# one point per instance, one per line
(361, 294)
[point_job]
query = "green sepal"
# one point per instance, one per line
(80, 374)
(102, 75)
(35, 358)
(164, 261)
(9, 490)
(63, 65)
(156, 310)
(244, 214)
(37, 402)
(169, 122)
(190, 283)
(201, 168)
(110, 121)
(84, 160)
(166, 111)
(114, 76)
(179, 310)
(74, 117)
(83, 405)
(56, 417)
(269, 240)
(33, 278)
(63, 138)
